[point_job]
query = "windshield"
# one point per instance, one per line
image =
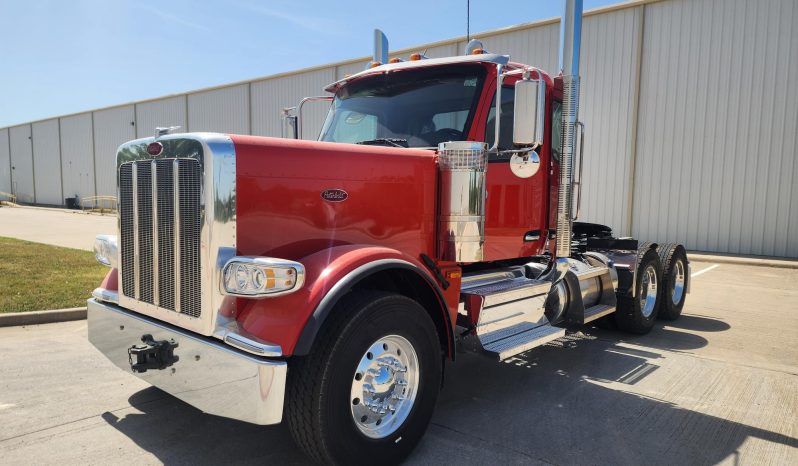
(407, 108)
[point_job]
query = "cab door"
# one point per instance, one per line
(516, 208)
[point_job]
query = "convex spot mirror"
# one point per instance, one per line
(529, 112)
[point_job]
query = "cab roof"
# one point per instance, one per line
(405, 65)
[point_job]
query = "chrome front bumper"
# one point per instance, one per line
(209, 374)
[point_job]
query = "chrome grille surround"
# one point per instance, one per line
(192, 213)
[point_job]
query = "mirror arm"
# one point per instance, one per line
(499, 81)
(299, 111)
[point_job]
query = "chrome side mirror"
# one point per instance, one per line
(530, 112)
(525, 165)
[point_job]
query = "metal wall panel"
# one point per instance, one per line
(716, 164)
(112, 127)
(609, 69)
(272, 95)
(536, 46)
(77, 155)
(47, 162)
(224, 110)
(22, 164)
(163, 113)
(5, 162)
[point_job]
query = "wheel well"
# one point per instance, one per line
(410, 284)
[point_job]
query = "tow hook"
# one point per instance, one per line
(152, 354)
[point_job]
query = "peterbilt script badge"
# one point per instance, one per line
(334, 195)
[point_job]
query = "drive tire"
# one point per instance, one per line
(674, 264)
(319, 405)
(634, 315)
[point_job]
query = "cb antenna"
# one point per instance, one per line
(468, 20)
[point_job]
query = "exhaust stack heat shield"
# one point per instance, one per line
(461, 225)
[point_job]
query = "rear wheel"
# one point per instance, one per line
(367, 391)
(674, 280)
(637, 314)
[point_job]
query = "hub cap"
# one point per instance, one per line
(677, 282)
(384, 386)
(648, 293)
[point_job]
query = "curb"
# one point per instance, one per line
(760, 262)
(42, 317)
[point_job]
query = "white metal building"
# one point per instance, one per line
(691, 109)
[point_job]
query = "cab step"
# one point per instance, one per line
(596, 312)
(518, 338)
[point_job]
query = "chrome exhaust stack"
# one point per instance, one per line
(570, 41)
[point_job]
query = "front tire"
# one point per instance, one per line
(367, 391)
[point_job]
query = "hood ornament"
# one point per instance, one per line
(164, 130)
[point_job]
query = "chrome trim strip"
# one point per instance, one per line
(252, 346)
(156, 292)
(134, 180)
(177, 251)
(210, 375)
(108, 296)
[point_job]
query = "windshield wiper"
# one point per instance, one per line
(394, 142)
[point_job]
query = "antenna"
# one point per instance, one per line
(468, 20)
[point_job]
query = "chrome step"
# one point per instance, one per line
(510, 341)
(596, 312)
(506, 291)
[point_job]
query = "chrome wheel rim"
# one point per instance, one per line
(648, 292)
(677, 282)
(384, 386)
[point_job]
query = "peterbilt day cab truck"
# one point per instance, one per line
(326, 283)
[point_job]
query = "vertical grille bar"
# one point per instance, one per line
(178, 252)
(126, 228)
(166, 240)
(156, 295)
(135, 232)
(144, 231)
(190, 223)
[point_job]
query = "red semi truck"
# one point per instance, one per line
(327, 282)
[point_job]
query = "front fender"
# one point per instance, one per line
(293, 320)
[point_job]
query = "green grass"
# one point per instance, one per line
(36, 277)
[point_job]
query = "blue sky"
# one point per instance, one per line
(59, 57)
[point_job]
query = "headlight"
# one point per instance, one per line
(260, 277)
(105, 250)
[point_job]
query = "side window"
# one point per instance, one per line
(355, 127)
(506, 129)
(556, 130)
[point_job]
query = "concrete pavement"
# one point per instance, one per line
(718, 386)
(60, 227)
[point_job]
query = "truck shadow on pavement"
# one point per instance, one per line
(570, 402)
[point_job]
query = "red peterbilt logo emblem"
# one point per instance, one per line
(154, 148)
(334, 195)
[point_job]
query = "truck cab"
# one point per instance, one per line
(326, 282)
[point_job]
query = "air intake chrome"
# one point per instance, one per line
(461, 225)
(570, 41)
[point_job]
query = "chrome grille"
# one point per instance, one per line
(160, 219)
